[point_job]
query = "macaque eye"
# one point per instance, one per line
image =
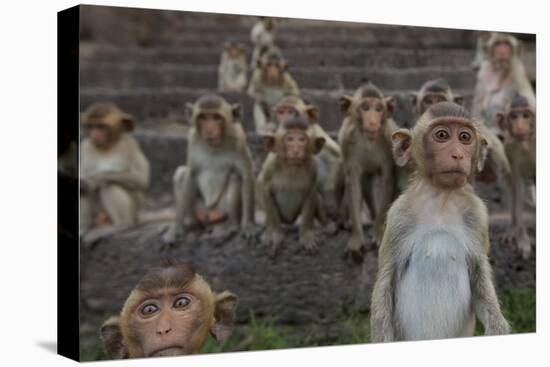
(182, 302)
(149, 309)
(379, 108)
(218, 117)
(513, 115)
(365, 107)
(526, 115)
(441, 135)
(465, 137)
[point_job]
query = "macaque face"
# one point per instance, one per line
(273, 71)
(166, 324)
(521, 124)
(502, 56)
(233, 52)
(295, 144)
(284, 113)
(211, 127)
(430, 99)
(450, 150)
(99, 134)
(371, 113)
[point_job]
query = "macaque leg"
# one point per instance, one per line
(86, 213)
(260, 118)
(120, 205)
(227, 214)
(518, 225)
(356, 241)
(273, 235)
(307, 236)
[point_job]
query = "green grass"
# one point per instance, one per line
(518, 306)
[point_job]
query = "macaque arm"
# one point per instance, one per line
(253, 86)
(291, 85)
(355, 201)
(381, 321)
(518, 190)
(485, 301)
(308, 211)
(272, 215)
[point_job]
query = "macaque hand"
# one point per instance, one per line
(309, 243)
(355, 249)
(169, 237)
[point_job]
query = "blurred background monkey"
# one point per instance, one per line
(269, 84)
(170, 312)
(518, 123)
(114, 172)
(232, 70)
(434, 276)
(262, 36)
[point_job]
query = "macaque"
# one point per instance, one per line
(500, 78)
(232, 70)
(170, 312)
(328, 159)
(432, 92)
(216, 186)
(288, 183)
(262, 36)
(518, 122)
(365, 140)
(270, 83)
(481, 49)
(434, 275)
(114, 172)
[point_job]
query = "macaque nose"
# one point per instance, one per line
(162, 331)
(163, 326)
(457, 154)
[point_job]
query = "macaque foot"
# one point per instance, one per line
(518, 236)
(272, 239)
(355, 249)
(170, 236)
(212, 216)
(309, 243)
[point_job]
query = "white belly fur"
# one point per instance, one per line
(433, 298)
(211, 182)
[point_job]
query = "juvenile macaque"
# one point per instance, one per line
(518, 122)
(432, 92)
(262, 36)
(216, 187)
(434, 275)
(232, 70)
(170, 312)
(114, 173)
(270, 83)
(500, 78)
(365, 140)
(288, 183)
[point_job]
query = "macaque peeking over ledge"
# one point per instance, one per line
(170, 312)
(434, 277)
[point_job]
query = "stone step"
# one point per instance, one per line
(200, 76)
(156, 109)
(310, 57)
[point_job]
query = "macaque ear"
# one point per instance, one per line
(413, 98)
(501, 121)
(318, 146)
(269, 142)
(127, 122)
(401, 147)
(390, 105)
(313, 114)
(345, 103)
(188, 111)
(459, 99)
(224, 315)
(483, 151)
(236, 110)
(111, 335)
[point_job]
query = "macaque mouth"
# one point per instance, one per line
(522, 136)
(455, 171)
(174, 350)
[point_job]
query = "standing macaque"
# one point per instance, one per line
(232, 70)
(114, 173)
(270, 83)
(500, 78)
(262, 36)
(365, 140)
(288, 183)
(216, 186)
(518, 122)
(170, 312)
(434, 275)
